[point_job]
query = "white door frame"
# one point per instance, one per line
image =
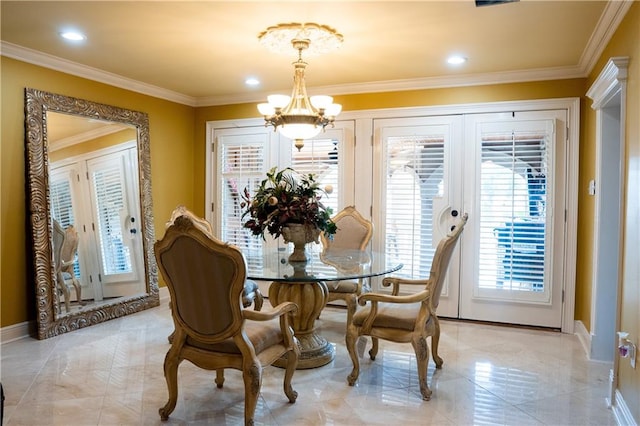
(608, 93)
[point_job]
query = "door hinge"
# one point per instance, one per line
(213, 207)
(93, 227)
(91, 278)
(99, 277)
(562, 296)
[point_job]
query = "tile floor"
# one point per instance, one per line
(111, 374)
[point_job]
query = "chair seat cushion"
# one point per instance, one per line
(391, 315)
(262, 334)
(342, 286)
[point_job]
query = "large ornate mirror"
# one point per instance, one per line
(90, 208)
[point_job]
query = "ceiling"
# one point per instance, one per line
(200, 53)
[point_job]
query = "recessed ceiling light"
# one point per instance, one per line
(73, 36)
(456, 60)
(251, 81)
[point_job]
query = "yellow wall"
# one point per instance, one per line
(626, 42)
(172, 159)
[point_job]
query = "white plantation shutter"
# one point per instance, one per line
(320, 157)
(513, 200)
(61, 200)
(109, 191)
(242, 165)
(415, 167)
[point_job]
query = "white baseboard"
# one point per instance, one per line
(584, 336)
(621, 412)
(22, 330)
(14, 332)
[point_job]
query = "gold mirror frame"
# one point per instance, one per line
(37, 103)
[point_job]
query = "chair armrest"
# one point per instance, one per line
(269, 314)
(378, 297)
(396, 281)
(66, 263)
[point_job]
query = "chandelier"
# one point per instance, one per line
(299, 116)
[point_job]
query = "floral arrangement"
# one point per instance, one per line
(286, 197)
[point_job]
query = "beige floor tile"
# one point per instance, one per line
(111, 374)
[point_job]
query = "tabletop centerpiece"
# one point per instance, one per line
(288, 203)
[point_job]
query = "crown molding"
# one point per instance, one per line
(558, 73)
(607, 24)
(45, 60)
(55, 145)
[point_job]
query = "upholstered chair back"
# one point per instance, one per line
(354, 231)
(441, 259)
(205, 278)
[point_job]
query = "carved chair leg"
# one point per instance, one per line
(78, 288)
(171, 376)
(350, 340)
(435, 340)
(252, 377)
(374, 348)
(219, 377)
(351, 301)
(292, 363)
(422, 357)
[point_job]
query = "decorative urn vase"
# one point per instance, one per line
(300, 235)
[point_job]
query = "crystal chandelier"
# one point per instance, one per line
(299, 117)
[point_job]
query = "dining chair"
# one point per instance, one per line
(65, 245)
(406, 318)
(205, 278)
(251, 293)
(354, 232)
(68, 257)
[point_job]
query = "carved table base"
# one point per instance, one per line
(311, 298)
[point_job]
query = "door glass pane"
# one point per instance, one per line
(513, 199)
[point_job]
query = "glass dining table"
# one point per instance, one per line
(307, 284)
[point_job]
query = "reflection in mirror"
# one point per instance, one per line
(90, 207)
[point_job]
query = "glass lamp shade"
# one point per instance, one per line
(266, 109)
(333, 110)
(278, 101)
(321, 101)
(299, 131)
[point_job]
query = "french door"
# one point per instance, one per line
(515, 192)
(98, 195)
(418, 194)
(507, 172)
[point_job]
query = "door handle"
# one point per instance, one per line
(454, 213)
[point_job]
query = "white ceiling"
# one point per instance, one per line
(199, 53)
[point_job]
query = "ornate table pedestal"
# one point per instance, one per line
(311, 298)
